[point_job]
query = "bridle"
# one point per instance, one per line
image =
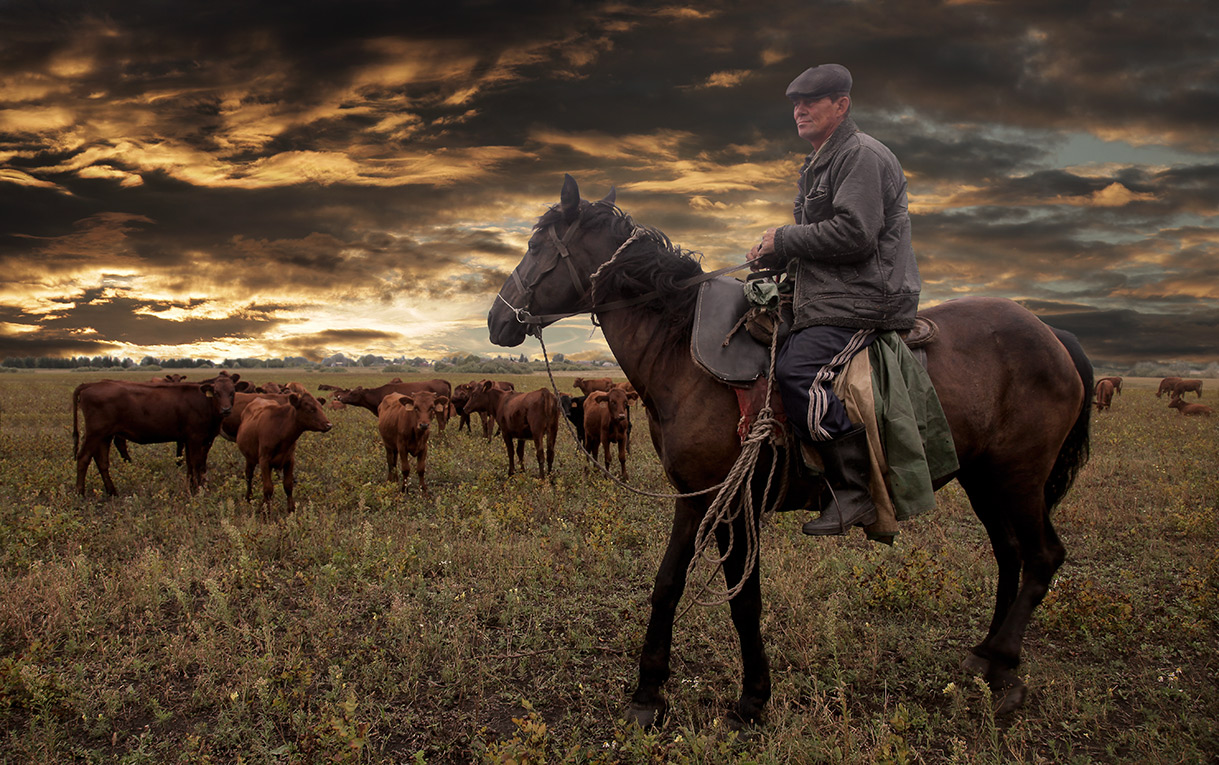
(563, 254)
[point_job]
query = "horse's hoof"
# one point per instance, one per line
(1010, 698)
(646, 716)
(975, 664)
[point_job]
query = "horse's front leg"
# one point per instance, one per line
(647, 707)
(747, 618)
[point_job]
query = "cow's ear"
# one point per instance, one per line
(207, 389)
(235, 378)
(569, 199)
(442, 400)
(486, 385)
(295, 400)
(609, 198)
(632, 396)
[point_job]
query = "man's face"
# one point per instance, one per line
(817, 118)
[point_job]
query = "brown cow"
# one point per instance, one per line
(533, 415)
(267, 439)
(269, 387)
(1181, 387)
(404, 421)
(1104, 395)
(232, 423)
(588, 386)
(1117, 383)
(606, 418)
(149, 413)
(1166, 385)
(1191, 410)
(370, 398)
(170, 378)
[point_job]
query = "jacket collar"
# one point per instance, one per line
(841, 134)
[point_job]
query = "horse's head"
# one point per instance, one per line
(553, 279)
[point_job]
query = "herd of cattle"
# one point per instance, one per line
(1176, 387)
(266, 421)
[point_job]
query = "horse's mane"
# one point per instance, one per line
(651, 263)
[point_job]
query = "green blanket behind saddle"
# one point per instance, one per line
(918, 443)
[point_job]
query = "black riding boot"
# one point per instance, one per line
(847, 468)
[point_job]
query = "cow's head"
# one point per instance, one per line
(425, 405)
(480, 397)
(353, 396)
(617, 400)
(309, 414)
(221, 390)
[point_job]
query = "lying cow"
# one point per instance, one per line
(267, 439)
(1104, 394)
(606, 417)
(520, 416)
(1191, 410)
(404, 421)
(149, 413)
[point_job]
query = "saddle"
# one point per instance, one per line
(724, 348)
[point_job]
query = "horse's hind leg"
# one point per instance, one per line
(1027, 549)
(647, 707)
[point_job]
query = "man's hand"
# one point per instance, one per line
(760, 255)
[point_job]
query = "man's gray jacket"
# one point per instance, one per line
(849, 250)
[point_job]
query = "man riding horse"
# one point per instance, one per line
(850, 257)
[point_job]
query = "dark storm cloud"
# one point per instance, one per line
(298, 157)
(1129, 336)
(131, 321)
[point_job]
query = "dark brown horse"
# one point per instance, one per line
(1015, 393)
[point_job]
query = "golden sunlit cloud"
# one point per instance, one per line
(9, 175)
(729, 79)
(665, 144)
(1113, 195)
(39, 120)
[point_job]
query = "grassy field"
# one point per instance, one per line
(501, 621)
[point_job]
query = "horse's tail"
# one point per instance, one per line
(75, 424)
(1075, 450)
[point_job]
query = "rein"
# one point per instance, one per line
(536, 322)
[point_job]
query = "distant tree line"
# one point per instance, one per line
(462, 363)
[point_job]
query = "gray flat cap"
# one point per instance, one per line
(821, 81)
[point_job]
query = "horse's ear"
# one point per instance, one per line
(609, 198)
(569, 198)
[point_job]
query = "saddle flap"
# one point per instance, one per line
(719, 343)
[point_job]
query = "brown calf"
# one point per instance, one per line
(149, 413)
(1104, 395)
(404, 421)
(606, 420)
(588, 386)
(267, 439)
(533, 415)
(1191, 410)
(1117, 383)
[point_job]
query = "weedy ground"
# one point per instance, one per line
(501, 620)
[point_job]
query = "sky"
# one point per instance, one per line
(236, 179)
